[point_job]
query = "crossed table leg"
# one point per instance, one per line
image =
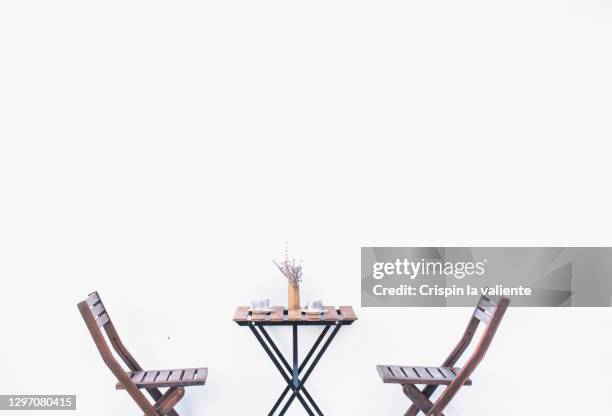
(291, 373)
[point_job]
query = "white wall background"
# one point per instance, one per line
(162, 152)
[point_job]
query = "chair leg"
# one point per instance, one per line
(419, 399)
(156, 394)
(166, 403)
(428, 391)
(412, 411)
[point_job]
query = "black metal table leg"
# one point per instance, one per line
(289, 381)
(291, 377)
(295, 356)
(301, 367)
(296, 391)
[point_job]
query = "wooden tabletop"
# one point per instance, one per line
(279, 315)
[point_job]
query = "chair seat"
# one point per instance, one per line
(167, 378)
(418, 375)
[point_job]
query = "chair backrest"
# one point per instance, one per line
(488, 311)
(96, 318)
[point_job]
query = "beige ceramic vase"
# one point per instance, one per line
(294, 297)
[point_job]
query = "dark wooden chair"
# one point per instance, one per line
(96, 317)
(488, 312)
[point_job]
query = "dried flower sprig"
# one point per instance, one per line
(291, 269)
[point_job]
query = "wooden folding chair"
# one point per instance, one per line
(490, 313)
(95, 315)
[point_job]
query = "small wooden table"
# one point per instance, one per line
(279, 316)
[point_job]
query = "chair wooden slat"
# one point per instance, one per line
(150, 376)
(409, 372)
(188, 374)
(447, 373)
(481, 316)
(422, 372)
(487, 307)
(98, 309)
(201, 374)
(138, 376)
(175, 375)
(162, 376)
(102, 319)
(385, 372)
(93, 298)
(396, 371)
(485, 303)
(436, 372)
